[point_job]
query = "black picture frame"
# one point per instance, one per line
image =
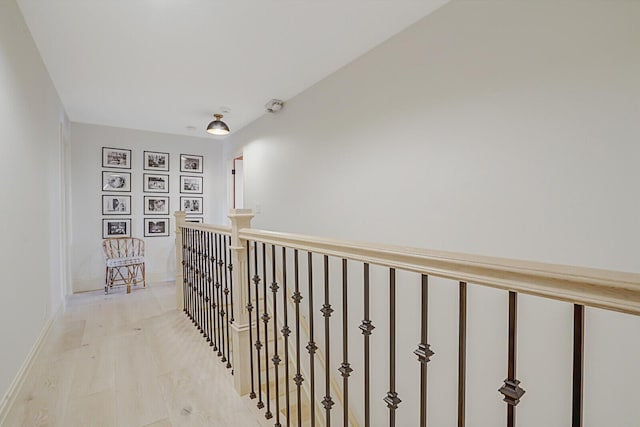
(191, 184)
(155, 161)
(156, 227)
(191, 205)
(116, 227)
(114, 181)
(155, 183)
(156, 205)
(191, 163)
(116, 158)
(116, 204)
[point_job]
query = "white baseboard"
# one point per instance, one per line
(10, 396)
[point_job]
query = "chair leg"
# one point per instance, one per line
(144, 279)
(106, 280)
(130, 277)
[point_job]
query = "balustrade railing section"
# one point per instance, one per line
(323, 321)
(207, 287)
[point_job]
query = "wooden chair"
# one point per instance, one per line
(124, 259)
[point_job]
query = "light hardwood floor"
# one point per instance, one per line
(127, 360)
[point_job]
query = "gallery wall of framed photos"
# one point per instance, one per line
(156, 201)
(129, 182)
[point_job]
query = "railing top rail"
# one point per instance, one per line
(611, 290)
(220, 229)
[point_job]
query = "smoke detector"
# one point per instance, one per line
(274, 105)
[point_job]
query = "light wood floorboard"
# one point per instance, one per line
(127, 360)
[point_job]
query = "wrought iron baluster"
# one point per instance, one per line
(297, 298)
(286, 331)
(201, 303)
(216, 304)
(212, 307)
(327, 401)
(276, 358)
(214, 296)
(392, 400)
(345, 367)
(311, 346)
(211, 285)
(258, 344)
(578, 365)
(231, 278)
(207, 287)
(192, 283)
(191, 280)
(198, 260)
(423, 352)
(265, 318)
(367, 328)
(210, 273)
(187, 271)
(221, 312)
(185, 292)
(462, 353)
(511, 389)
(252, 394)
(202, 282)
(206, 294)
(229, 318)
(202, 291)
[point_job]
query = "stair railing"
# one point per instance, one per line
(581, 287)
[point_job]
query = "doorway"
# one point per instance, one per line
(237, 173)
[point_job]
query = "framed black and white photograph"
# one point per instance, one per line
(155, 161)
(116, 205)
(156, 205)
(191, 205)
(194, 219)
(191, 184)
(118, 227)
(155, 183)
(116, 181)
(116, 158)
(156, 227)
(191, 163)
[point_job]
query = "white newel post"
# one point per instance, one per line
(240, 218)
(180, 221)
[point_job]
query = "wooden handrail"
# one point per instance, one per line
(611, 290)
(220, 229)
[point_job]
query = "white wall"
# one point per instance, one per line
(86, 182)
(494, 127)
(31, 121)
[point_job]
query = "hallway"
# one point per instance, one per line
(127, 360)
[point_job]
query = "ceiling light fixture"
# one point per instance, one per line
(218, 127)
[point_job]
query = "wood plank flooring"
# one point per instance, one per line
(127, 360)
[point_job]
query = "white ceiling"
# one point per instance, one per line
(164, 65)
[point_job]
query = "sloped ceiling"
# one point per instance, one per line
(166, 65)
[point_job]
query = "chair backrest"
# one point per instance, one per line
(122, 247)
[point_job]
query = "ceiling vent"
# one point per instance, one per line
(274, 105)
